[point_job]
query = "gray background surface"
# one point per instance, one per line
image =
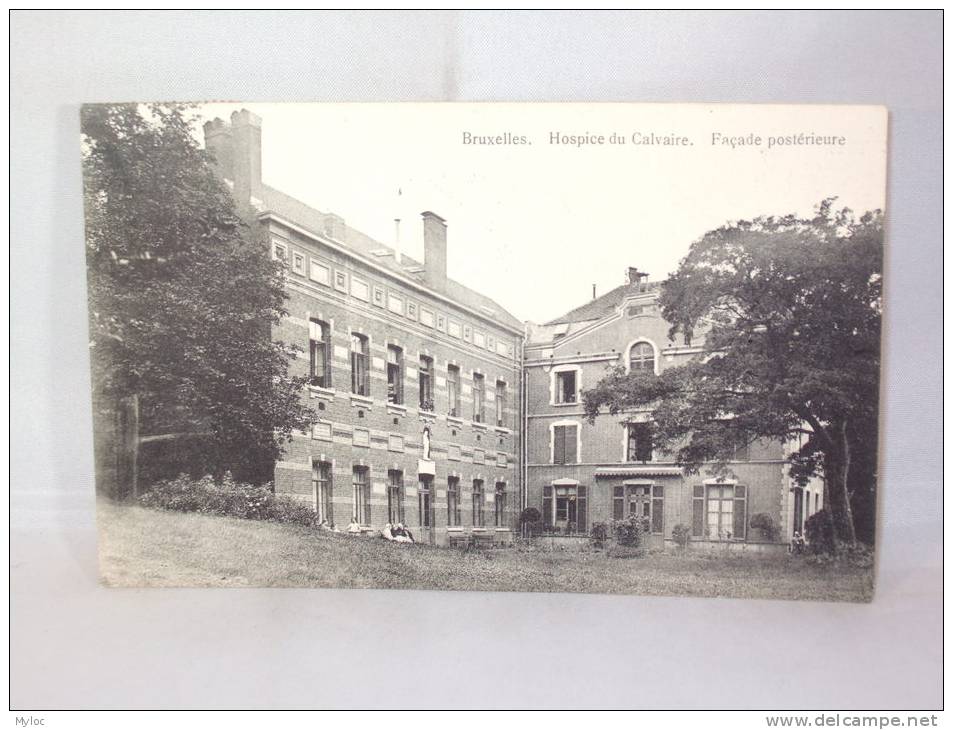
(78, 645)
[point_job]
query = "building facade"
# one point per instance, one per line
(415, 378)
(578, 473)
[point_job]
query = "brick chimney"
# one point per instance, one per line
(435, 251)
(218, 142)
(246, 155)
(236, 147)
(634, 276)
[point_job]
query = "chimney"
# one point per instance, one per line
(634, 276)
(435, 251)
(218, 143)
(246, 155)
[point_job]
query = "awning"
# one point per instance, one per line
(637, 471)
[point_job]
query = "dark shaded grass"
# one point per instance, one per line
(146, 547)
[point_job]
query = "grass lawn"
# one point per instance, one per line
(146, 547)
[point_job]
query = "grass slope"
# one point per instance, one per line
(144, 547)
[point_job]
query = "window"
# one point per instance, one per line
(500, 402)
(297, 262)
(478, 520)
(362, 495)
(645, 501)
(321, 484)
(565, 441)
(425, 376)
(719, 511)
(319, 334)
(360, 377)
(566, 386)
(279, 252)
(425, 499)
(499, 505)
(565, 508)
(479, 394)
(453, 389)
(453, 501)
(395, 496)
(638, 444)
(642, 358)
(395, 374)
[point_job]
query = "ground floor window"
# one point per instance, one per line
(425, 500)
(453, 501)
(478, 520)
(362, 495)
(640, 500)
(565, 508)
(499, 505)
(321, 483)
(719, 511)
(395, 496)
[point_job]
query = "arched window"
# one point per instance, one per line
(642, 358)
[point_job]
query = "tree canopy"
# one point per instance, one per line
(786, 312)
(182, 293)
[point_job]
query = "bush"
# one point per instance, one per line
(599, 533)
(681, 535)
(768, 527)
(532, 520)
(630, 532)
(819, 533)
(228, 497)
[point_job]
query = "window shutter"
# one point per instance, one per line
(658, 506)
(740, 513)
(570, 448)
(547, 505)
(581, 525)
(698, 511)
(328, 499)
(559, 445)
(618, 503)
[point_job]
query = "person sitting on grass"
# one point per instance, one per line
(354, 528)
(797, 543)
(402, 534)
(387, 532)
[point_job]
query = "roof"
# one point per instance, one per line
(606, 304)
(314, 220)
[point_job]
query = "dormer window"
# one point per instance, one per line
(642, 358)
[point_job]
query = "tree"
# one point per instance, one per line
(790, 311)
(182, 293)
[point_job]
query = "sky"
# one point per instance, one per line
(536, 225)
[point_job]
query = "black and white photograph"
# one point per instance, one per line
(611, 348)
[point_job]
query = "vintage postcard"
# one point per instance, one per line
(608, 348)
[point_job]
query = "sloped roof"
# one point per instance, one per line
(314, 220)
(606, 304)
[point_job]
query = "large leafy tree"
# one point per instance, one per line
(787, 313)
(182, 294)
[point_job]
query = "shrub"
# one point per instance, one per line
(228, 497)
(629, 532)
(532, 520)
(768, 527)
(599, 533)
(819, 532)
(681, 535)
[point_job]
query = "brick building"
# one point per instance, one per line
(414, 377)
(578, 474)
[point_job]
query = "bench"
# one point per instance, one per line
(459, 539)
(484, 539)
